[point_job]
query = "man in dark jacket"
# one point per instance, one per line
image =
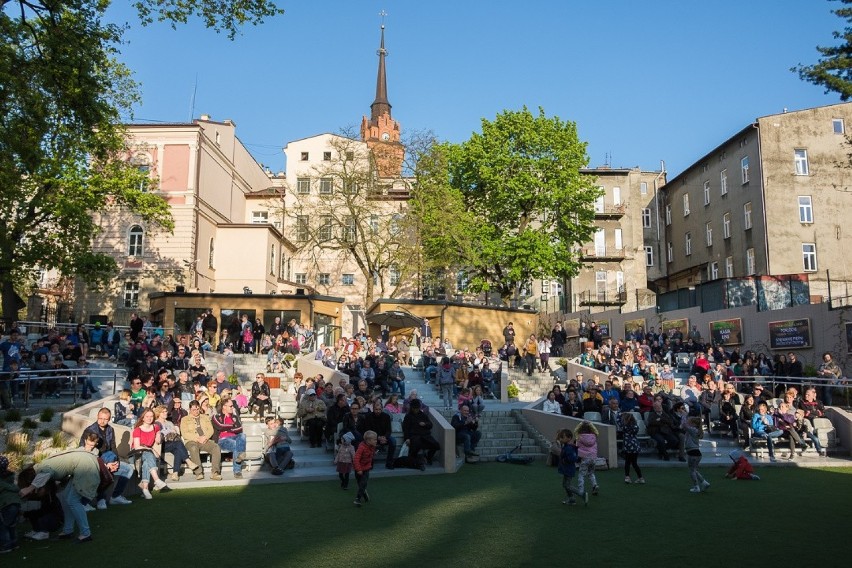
(417, 432)
(467, 430)
(558, 338)
(106, 443)
(661, 429)
(379, 422)
(209, 325)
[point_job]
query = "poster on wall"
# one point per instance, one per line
(572, 327)
(790, 334)
(603, 327)
(669, 327)
(631, 326)
(727, 332)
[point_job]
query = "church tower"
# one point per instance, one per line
(380, 131)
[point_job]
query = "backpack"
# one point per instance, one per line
(446, 377)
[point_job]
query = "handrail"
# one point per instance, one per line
(43, 326)
(72, 374)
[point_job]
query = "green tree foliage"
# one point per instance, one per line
(834, 70)
(62, 150)
(221, 16)
(509, 205)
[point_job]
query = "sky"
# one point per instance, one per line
(645, 81)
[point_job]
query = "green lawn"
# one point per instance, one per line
(486, 515)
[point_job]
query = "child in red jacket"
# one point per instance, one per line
(363, 464)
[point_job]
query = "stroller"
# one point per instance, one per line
(485, 345)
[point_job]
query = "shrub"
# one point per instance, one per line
(513, 391)
(13, 415)
(46, 433)
(59, 441)
(29, 424)
(47, 414)
(17, 442)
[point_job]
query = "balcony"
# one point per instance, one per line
(602, 254)
(603, 297)
(610, 212)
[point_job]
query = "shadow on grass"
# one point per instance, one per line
(487, 515)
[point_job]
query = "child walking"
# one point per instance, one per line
(630, 433)
(692, 427)
(587, 451)
(363, 464)
(344, 458)
(567, 466)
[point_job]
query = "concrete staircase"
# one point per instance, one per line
(502, 430)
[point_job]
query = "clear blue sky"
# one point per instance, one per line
(644, 81)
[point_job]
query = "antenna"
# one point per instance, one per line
(192, 99)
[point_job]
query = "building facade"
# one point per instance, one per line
(769, 201)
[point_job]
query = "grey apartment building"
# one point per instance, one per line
(770, 200)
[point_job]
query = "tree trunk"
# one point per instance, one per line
(10, 297)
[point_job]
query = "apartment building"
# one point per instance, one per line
(770, 200)
(625, 253)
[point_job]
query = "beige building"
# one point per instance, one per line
(625, 252)
(770, 200)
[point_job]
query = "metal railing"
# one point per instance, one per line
(56, 383)
(42, 327)
(800, 383)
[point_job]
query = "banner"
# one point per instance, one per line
(790, 334)
(726, 332)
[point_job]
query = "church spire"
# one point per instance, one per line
(381, 106)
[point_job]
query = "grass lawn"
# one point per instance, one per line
(486, 515)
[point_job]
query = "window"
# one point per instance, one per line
(325, 228)
(282, 270)
(806, 210)
(646, 218)
(707, 192)
(131, 294)
(708, 231)
(326, 156)
(750, 261)
(302, 228)
(600, 285)
(668, 215)
(210, 256)
(669, 252)
(643, 188)
(649, 256)
(350, 187)
(616, 196)
(374, 223)
(394, 275)
(272, 261)
(800, 157)
(349, 229)
(135, 239)
(144, 184)
(726, 225)
(303, 185)
(687, 247)
(301, 278)
(744, 169)
(325, 186)
(723, 182)
(729, 267)
(838, 126)
(685, 204)
(324, 279)
(713, 271)
(747, 216)
(259, 217)
(619, 282)
(305, 156)
(599, 202)
(350, 155)
(619, 244)
(347, 279)
(809, 259)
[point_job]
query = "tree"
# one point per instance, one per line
(354, 216)
(63, 154)
(516, 203)
(834, 70)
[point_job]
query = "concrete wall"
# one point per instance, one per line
(842, 422)
(549, 424)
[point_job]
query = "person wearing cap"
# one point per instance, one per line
(196, 429)
(760, 394)
(82, 471)
(312, 413)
